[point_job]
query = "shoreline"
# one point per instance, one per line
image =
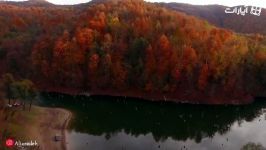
(52, 122)
(193, 97)
(65, 128)
(41, 124)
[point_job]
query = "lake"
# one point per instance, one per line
(119, 123)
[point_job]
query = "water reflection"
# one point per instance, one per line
(109, 119)
(253, 146)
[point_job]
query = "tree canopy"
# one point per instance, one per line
(129, 45)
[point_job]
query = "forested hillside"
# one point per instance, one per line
(216, 15)
(130, 48)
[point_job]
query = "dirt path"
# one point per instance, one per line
(51, 122)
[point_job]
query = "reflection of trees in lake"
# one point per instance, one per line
(253, 146)
(100, 115)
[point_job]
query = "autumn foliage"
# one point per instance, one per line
(127, 46)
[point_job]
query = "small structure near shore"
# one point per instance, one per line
(9, 106)
(58, 137)
(85, 94)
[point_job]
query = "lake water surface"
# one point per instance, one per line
(113, 123)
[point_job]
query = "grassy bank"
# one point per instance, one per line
(40, 124)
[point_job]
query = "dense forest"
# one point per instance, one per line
(130, 48)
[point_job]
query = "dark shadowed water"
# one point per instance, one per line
(112, 123)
